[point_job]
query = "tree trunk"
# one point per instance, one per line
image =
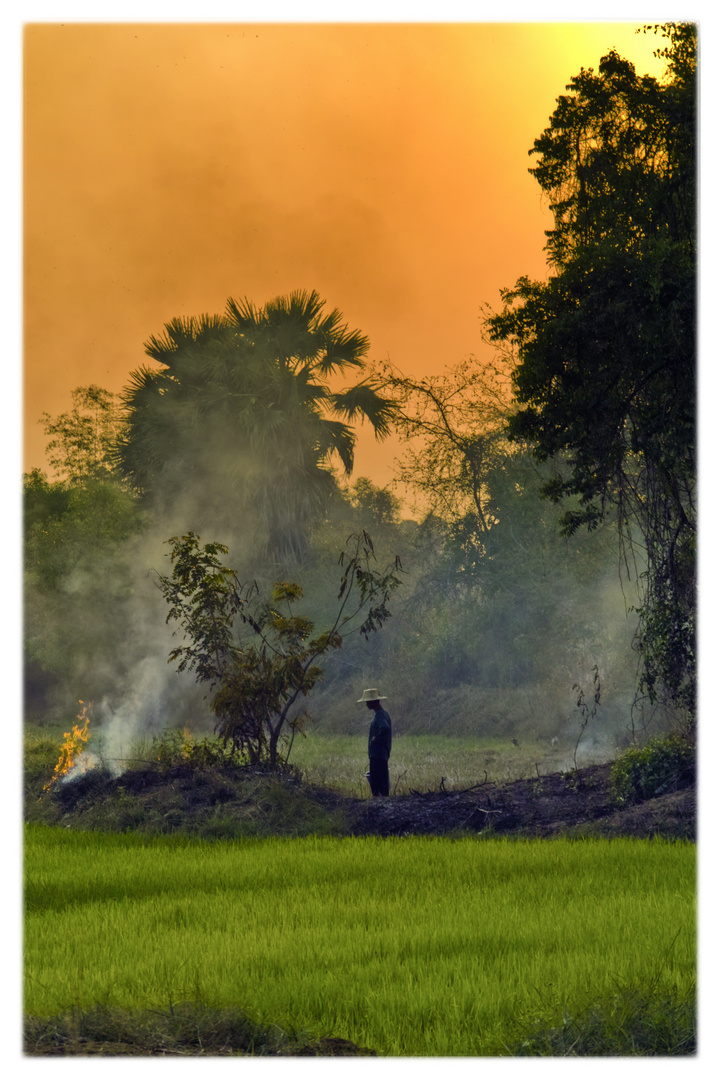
(272, 745)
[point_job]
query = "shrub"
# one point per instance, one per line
(174, 748)
(662, 765)
(260, 677)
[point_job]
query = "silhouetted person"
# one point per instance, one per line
(379, 743)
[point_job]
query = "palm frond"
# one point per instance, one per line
(141, 381)
(363, 402)
(183, 333)
(242, 314)
(343, 348)
(334, 437)
(300, 306)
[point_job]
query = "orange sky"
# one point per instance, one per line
(170, 166)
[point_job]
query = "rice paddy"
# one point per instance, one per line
(408, 946)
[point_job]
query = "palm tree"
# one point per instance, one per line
(241, 424)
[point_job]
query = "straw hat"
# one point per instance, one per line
(371, 695)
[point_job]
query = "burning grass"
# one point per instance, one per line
(71, 749)
(408, 947)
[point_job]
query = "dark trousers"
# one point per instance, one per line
(379, 776)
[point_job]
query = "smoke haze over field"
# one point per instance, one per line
(169, 166)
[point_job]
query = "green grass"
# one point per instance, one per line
(180, 1029)
(627, 1023)
(339, 762)
(420, 762)
(407, 946)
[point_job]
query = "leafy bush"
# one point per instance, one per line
(174, 748)
(660, 766)
(259, 677)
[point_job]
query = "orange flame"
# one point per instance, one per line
(71, 748)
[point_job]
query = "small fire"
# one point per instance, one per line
(71, 748)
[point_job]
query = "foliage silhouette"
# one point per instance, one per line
(241, 420)
(84, 440)
(258, 676)
(605, 380)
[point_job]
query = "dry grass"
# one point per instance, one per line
(423, 762)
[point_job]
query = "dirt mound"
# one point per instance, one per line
(195, 800)
(188, 1029)
(328, 1047)
(561, 803)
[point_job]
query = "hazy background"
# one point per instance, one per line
(169, 166)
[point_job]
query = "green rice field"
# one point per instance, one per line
(410, 946)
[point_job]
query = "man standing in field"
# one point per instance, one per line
(379, 743)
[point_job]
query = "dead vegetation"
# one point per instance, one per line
(225, 802)
(574, 803)
(182, 1030)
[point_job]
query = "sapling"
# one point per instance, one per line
(258, 656)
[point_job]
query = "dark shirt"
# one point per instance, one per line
(380, 736)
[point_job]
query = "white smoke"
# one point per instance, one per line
(139, 712)
(119, 726)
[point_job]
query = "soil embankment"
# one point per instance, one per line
(561, 803)
(188, 799)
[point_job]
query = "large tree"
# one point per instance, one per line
(243, 417)
(605, 376)
(502, 600)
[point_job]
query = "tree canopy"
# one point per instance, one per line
(242, 415)
(453, 429)
(83, 441)
(605, 379)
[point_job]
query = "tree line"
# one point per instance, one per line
(568, 457)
